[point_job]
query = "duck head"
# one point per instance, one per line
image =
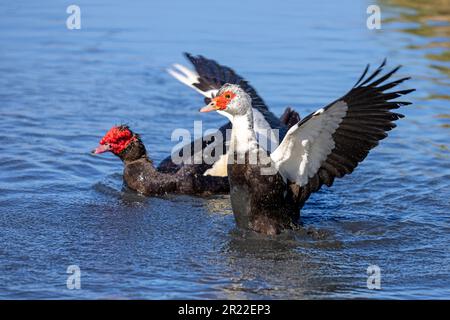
(122, 142)
(231, 100)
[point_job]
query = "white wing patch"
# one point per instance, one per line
(219, 168)
(189, 77)
(305, 147)
(319, 111)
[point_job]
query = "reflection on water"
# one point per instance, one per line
(429, 21)
(432, 18)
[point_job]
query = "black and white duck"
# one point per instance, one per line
(267, 190)
(141, 175)
(207, 78)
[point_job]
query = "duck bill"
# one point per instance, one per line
(208, 108)
(101, 149)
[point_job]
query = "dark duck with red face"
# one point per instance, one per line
(141, 175)
(268, 190)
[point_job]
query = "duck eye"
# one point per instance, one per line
(227, 96)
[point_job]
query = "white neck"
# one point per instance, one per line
(243, 137)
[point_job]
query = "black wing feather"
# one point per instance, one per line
(213, 75)
(367, 121)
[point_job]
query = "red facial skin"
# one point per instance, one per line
(220, 102)
(223, 100)
(115, 140)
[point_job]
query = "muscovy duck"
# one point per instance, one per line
(268, 191)
(208, 78)
(141, 175)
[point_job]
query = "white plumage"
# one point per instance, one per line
(189, 77)
(308, 143)
(264, 132)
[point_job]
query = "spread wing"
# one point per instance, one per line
(209, 76)
(330, 142)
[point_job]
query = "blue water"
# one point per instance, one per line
(61, 90)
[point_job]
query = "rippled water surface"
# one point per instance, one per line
(60, 90)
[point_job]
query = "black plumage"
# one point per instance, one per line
(369, 117)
